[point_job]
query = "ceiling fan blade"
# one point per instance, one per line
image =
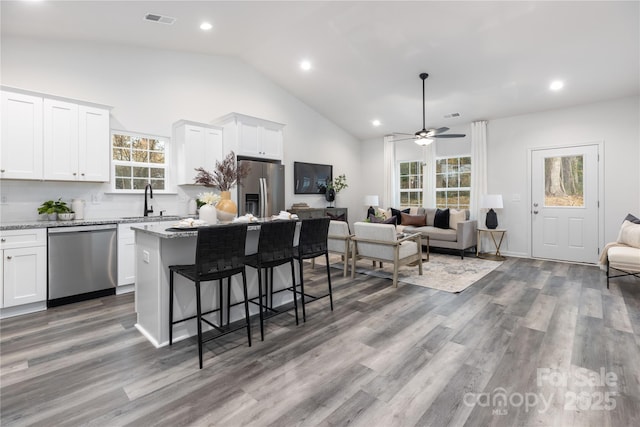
(449, 135)
(402, 133)
(439, 130)
(403, 139)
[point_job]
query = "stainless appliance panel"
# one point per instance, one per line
(261, 193)
(82, 260)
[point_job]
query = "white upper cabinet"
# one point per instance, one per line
(54, 138)
(21, 147)
(60, 140)
(94, 145)
(252, 137)
(197, 145)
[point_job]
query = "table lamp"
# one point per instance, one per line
(371, 201)
(491, 202)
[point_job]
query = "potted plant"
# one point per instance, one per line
(335, 186)
(53, 208)
(224, 177)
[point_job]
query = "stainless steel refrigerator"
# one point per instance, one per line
(261, 193)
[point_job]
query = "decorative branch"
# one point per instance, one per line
(225, 175)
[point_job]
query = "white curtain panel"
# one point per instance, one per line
(388, 198)
(478, 167)
(429, 176)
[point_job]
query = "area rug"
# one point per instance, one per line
(443, 272)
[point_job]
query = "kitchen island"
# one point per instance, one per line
(156, 249)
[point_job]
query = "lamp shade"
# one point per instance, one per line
(491, 201)
(371, 201)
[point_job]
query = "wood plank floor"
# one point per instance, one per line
(527, 345)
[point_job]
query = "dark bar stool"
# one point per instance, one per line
(219, 254)
(275, 248)
(314, 233)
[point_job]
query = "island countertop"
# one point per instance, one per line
(23, 225)
(165, 231)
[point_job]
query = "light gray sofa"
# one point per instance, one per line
(461, 235)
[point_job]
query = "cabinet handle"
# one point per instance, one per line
(2, 170)
(74, 174)
(8, 256)
(3, 240)
(82, 174)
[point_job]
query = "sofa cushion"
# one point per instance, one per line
(630, 234)
(455, 217)
(416, 220)
(632, 218)
(398, 213)
(431, 215)
(340, 217)
(442, 218)
(377, 220)
(447, 235)
(624, 258)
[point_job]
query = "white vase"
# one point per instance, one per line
(208, 214)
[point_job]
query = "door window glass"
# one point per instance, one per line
(563, 181)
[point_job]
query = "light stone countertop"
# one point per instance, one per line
(23, 225)
(160, 230)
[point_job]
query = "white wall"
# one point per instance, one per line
(149, 90)
(615, 123)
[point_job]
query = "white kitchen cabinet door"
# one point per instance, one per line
(249, 140)
(60, 133)
(197, 145)
(21, 149)
(94, 153)
(2, 280)
(25, 275)
(271, 142)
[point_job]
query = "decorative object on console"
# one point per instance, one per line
(208, 211)
(371, 201)
(335, 186)
(225, 176)
(491, 202)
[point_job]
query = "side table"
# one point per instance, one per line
(492, 232)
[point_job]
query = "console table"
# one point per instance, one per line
(305, 213)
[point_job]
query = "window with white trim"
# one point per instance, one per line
(453, 182)
(410, 183)
(137, 160)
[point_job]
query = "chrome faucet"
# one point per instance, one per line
(147, 207)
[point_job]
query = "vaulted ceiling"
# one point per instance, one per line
(485, 59)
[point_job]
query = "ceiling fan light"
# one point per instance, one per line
(423, 141)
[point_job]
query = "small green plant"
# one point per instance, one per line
(51, 207)
(339, 183)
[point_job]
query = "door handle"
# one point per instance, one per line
(535, 212)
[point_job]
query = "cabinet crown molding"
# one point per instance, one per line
(246, 119)
(56, 97)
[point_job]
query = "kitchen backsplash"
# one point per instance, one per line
(20, 199)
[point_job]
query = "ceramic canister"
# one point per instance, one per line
(77, 205)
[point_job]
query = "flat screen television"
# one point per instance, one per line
(311, 178)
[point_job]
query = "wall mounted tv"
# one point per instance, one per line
(311, 178)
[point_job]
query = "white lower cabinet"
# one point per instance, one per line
(24, 270)
(127, 254)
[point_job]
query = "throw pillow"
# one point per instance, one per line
(377, 220)
(416, 220)
(632, 219)
(455, 217)
(340, 217)
(398, 214)
(442, 218)
(630, 234)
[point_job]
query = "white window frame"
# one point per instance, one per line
(436, 188)
(166, 166)
(409, 190)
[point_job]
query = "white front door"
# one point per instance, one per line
(564, 203)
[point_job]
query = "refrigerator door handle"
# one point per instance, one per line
(263, 197)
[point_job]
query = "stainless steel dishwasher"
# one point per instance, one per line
(82, 263)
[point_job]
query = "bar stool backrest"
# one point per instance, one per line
(276, 241)
(313, 237)
(220, 248)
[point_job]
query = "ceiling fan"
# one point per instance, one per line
(425, 136)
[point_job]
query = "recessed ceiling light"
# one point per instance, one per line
(305, 65)
(206, 26)
(556, 85)
(375, 122)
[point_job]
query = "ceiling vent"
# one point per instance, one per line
(159, 18)
(451, 115)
